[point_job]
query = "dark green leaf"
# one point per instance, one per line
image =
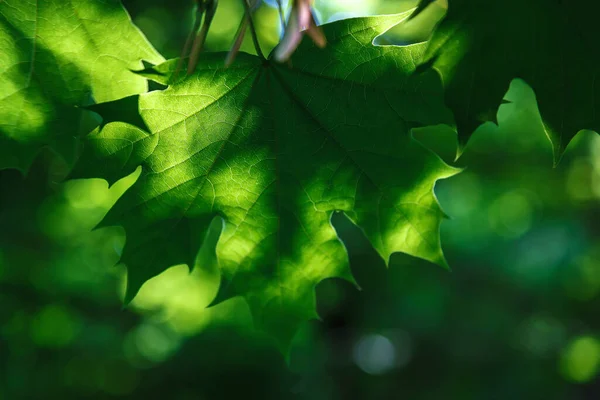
(551, 44)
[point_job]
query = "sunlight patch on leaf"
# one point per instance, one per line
(58, 55)
(275, 150)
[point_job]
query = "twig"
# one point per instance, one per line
(281, 15)
(253, 31)
(190, 39)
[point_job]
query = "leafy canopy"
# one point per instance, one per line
(551, 44)
(56, 55)
(275, 149)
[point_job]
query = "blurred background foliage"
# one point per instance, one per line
(517, 317)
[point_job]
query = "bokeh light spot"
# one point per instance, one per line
(541, 334)
(580, 361)
(154, 343)
(54, 326)
(511, 214)
(375, 354)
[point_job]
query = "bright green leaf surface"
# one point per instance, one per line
(275, 150)
(552, 45)
(55, 55)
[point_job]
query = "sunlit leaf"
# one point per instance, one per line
(274, 150)
(56, 55)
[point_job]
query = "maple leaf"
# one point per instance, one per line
(274, 151)
(56, 55)
(481, 46)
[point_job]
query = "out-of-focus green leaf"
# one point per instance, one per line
(274, 150)
(552, 45)
(56, 55)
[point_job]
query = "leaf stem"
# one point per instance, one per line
(281, 15)
(190, 39)
(253, 30)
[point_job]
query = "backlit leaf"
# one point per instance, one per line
(274, 150)
(56, 55)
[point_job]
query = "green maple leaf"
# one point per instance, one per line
(481, 46)
(56, 55)
(275, 150)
